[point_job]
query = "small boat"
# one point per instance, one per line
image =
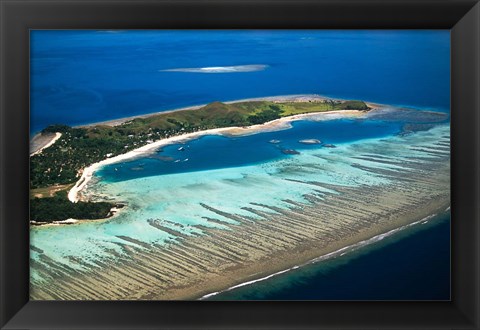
(274, 141)
(310, 141)
(181, 149)
(185, 160)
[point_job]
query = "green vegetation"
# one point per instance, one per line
(60, 208)
(295, 108)
(266, 115)
(60, 128)
(77, 148)
(352, 105)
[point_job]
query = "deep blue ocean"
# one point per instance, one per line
(80, 77)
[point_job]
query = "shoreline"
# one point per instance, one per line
(259, 269)
(274, 125)
(48, 144)
(359, 241)
(71, 221)
(276, 98)
(331, 255)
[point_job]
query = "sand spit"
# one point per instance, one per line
(43, 143)
(275, 125)
(192, 267)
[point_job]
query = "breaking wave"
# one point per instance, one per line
(331, 255)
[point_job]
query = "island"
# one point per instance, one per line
(193, 235)
(58, 168)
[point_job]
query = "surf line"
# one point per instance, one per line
(248, 283)
(337, 253)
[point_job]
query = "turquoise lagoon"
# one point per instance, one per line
(80, 77)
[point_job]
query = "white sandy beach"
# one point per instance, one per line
(52, 141)
(278, 124)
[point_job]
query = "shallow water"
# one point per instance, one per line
(179, 199)
(87, 76)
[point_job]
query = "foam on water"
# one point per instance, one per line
(338, 253)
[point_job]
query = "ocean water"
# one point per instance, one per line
(80, 77)
(413, 264)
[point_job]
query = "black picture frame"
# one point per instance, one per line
(17, 17)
